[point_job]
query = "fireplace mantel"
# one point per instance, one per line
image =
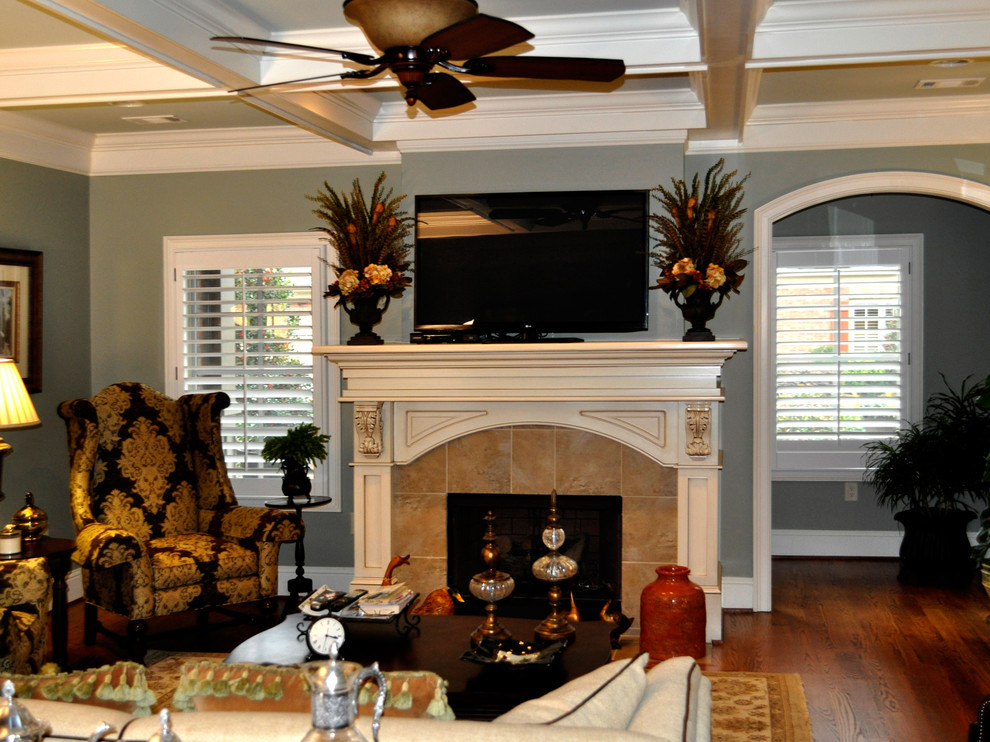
(662, 398)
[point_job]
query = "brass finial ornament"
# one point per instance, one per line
(554, 567)
(490, 586)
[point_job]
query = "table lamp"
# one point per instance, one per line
(16, 408)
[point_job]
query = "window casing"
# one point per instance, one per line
(242, 315)
(847, 336)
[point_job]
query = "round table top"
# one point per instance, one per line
(284, 503)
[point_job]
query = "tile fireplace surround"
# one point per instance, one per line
(637, 419)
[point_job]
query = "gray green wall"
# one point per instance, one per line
(121, 337)
(48, 210)
(956, 238)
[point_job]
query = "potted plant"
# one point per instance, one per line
(931, 475)
(372, 254)
(983, 535)
(296, 451)
(698, 248)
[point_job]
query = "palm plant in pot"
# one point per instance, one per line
(296, 451)
(931, 475)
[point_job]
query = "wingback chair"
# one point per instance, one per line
(158, 528)
(25, 591)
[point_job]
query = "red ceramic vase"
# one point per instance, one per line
(672, 615)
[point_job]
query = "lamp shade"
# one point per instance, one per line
(16, 408)
(389, 23)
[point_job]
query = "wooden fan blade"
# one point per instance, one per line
(476, 36)
(350, 56)
(440, 90)
(548, 68)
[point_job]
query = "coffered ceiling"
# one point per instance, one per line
(108, 86)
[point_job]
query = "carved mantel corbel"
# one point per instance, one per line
(698, 418)
(368, 428)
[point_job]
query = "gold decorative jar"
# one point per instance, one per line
(32, 520)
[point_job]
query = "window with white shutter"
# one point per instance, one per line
(243, 313)
(846, 328)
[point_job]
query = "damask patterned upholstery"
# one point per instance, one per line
(25, 591)
(158, 528)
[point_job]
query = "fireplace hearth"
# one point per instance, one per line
(592, 524)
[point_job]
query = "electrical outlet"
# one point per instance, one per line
(852, 491)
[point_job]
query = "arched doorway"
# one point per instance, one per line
(931, 184)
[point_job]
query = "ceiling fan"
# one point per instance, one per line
(414, 36)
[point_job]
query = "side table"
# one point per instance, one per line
(58, 552)
(299, 586)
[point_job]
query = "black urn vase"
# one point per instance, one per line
(296, 484)
(699, 309)
(366, 312)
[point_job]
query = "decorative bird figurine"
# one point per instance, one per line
(395, 563)
(622, 621)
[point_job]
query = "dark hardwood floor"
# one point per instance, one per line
(879, 660)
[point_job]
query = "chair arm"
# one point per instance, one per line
(100, 546)
(253, 524)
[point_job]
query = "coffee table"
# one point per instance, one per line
(475, 691)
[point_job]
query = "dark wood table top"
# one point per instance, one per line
(476, 691)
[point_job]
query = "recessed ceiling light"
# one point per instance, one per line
(167, 118)
(949, 82)
(950, 62)
(127, 103)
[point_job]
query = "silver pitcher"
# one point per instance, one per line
(335, 685)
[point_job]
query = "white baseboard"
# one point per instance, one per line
(336, 578)
(835, 543)
(737, 593)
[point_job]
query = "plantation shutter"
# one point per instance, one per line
(246, 322)
(843, 334)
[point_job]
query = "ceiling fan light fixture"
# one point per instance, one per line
(392, 23)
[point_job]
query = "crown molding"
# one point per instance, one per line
(587, 114)
(217, 150)
(41, 143)
(597, 139)
(871, 123)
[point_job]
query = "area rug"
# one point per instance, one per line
(746, 706)
(758, 707)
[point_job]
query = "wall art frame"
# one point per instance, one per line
(20, 312)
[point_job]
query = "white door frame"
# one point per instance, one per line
(892, 181)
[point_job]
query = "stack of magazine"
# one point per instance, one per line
(388, 601)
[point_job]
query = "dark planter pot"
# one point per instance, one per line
(699, 309)
(366, 312)
(296, 483)
(935, 549)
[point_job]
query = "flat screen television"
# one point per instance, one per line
(520, 266)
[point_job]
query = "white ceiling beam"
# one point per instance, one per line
(855, 31)
(89, 73)
(157, 24)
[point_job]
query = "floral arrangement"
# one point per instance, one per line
(370, 240)
(698, 237)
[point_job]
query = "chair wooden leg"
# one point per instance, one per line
(90, 624)
(137, 640)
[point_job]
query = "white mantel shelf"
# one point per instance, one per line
(662, 398)
(640, 370)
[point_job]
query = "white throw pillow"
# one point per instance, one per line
(671, 698)
(605, 698)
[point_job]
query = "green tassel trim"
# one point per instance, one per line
(404, 700)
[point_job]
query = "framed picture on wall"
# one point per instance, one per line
(20, 313)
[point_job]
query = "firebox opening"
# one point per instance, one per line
(593, 528)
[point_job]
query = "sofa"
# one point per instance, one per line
(622, 701)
